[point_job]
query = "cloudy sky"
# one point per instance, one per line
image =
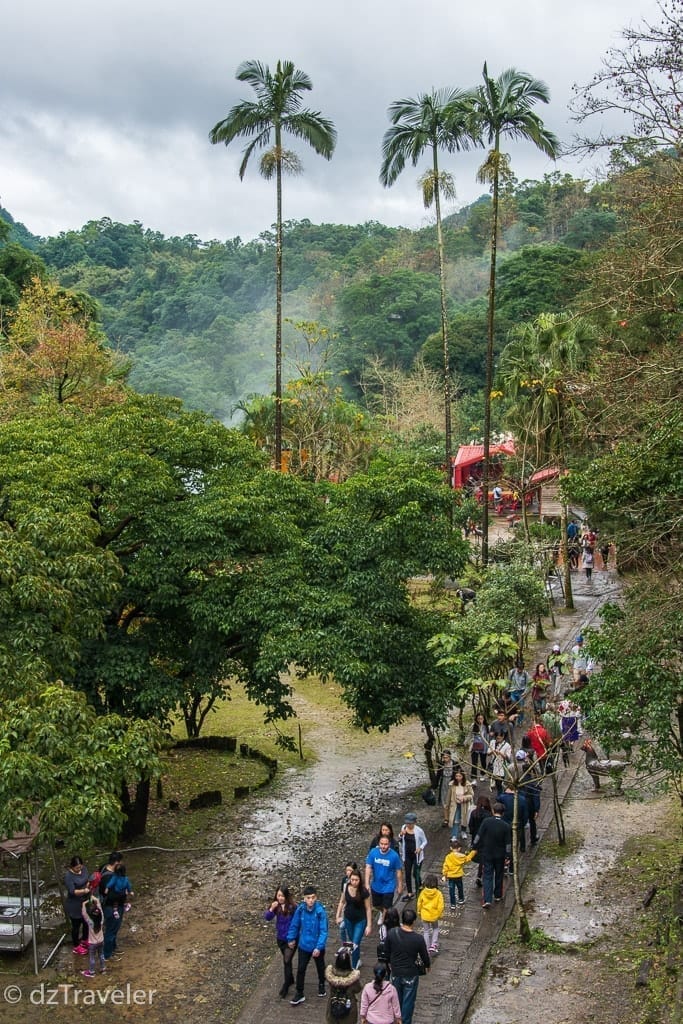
(106, 105)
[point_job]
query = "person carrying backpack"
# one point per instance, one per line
(344, 984)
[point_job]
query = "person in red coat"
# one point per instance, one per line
(541, 741)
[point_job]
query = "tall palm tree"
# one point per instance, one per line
(538, 372)
(276, 111)
(503, 108)
(437, 120)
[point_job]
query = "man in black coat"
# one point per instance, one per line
(403, 947)
(494, 843)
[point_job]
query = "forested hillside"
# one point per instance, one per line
(197, 317)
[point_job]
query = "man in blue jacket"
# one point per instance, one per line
(308, 932)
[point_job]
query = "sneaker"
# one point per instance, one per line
(497, 899)
(297, 999)
(88, 974)
(433, 950)
(461, 903)
(103, 970)
(452, 906)
(485, 906)
(283, 991)
(80, 950)
(322, 991)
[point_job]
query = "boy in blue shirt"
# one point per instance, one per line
(308, 932)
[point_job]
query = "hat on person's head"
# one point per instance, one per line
(521, 755)
(556, 647)
(578, 639)
(410, 818)
(310, 890)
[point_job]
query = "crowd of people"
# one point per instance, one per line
(582, 543)
(509, 759)
(95, 904)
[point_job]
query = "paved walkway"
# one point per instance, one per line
(466, 935)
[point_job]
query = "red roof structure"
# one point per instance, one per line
(469, 454)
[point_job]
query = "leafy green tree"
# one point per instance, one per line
(60, 759)
(504, 108)
(637, 687)
(277, 111)
(435, 121)
(387, 314)
(374, 533)
(537, 373)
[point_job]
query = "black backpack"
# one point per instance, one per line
(340, 1004)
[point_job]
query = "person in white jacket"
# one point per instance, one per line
(412, 842)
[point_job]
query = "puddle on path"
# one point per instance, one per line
(345, 783)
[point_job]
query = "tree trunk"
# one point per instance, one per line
(489, 370)
(135, 810)
(557, 811)
(278, 304)
(444, 328)
(524, 929)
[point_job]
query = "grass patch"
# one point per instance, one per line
(541, 942)
(187, 772)
(312, 700)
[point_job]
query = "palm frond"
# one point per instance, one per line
(318, 131)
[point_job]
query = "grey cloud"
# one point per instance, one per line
(106, 107)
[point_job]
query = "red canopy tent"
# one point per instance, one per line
(469, 454)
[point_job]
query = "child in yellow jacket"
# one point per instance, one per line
(430, 908)
(453, 870)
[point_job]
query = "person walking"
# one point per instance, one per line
(444, 774)
(383, 876)
(412, 843)
(459, 805)
(408, 958)
(379, 1003)
(479, 748)
(281, 910)
(308, 934)
(430, 906)
(344, 983)
(501, 756)
(354, 913)
(494, 844)
(453, 869)
(588, 562)
(482, 810)
(555, 663)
